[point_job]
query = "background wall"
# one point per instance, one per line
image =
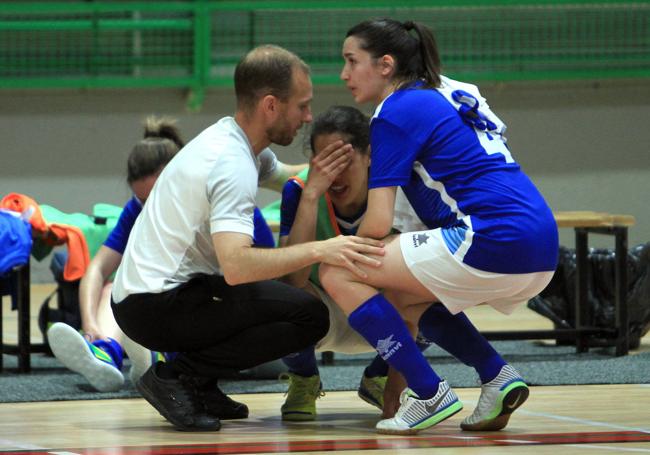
(586, 145)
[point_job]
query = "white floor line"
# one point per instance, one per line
(593, 423)
(611, 448)
(8, 444)
(516, 441)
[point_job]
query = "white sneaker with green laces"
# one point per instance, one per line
(415, 415)
(499, 398)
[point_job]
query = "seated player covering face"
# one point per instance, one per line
(327, 201)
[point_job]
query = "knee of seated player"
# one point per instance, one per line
(334, 280)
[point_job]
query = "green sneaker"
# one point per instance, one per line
(300, 404)
(371, 390)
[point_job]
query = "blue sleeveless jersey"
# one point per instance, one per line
(447, 151)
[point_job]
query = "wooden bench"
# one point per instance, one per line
(584, 223)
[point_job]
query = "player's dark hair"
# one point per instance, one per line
(416, 57)
(348, 121)
(161, 142)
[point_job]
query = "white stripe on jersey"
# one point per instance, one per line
(429, 182)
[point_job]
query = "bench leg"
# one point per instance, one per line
(24, 341)
(581, 310)
(622, 322)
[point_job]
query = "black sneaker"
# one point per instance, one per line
(177, 401)
(220, 405)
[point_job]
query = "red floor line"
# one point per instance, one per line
(405, 443)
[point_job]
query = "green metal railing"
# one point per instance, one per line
(196, 44)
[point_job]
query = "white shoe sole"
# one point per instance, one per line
(388, 426)
(512, 400)
(71, 350)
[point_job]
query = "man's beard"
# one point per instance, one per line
(280, 134)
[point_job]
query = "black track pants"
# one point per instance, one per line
(216, 327)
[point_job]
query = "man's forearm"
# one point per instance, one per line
(256, 264)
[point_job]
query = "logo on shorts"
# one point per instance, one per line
(420, 239)
(387, 347)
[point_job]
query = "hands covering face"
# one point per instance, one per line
(327, 164)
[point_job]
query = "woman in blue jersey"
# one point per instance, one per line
(98, 353)
(478, 230)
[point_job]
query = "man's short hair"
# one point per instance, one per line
(265, 70)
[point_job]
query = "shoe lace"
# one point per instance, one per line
(299, 387)
(403, 405)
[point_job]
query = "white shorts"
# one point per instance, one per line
(459, 286)
(340, 337)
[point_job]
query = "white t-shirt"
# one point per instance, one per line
(210, 186)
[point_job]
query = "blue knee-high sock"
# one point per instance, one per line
(382, 326)
(302, 363)
(379, 367)
(458, 336)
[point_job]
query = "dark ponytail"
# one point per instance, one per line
(429, 53)
(161, 142)
(415, 58)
